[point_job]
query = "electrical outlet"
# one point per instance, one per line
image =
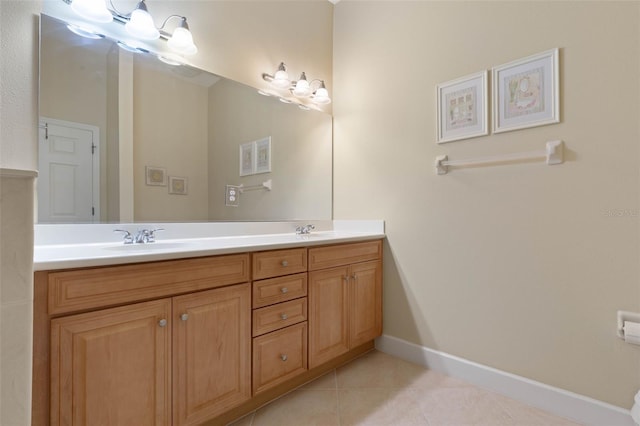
(232, 196)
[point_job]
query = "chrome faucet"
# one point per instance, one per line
(128, 238)
(305, 230)
(143, 236)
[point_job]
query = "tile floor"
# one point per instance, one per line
(378, 389)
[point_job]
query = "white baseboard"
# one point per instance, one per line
(579, 408)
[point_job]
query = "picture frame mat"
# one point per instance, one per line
(444, 91)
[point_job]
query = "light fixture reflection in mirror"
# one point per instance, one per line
(301, 89)
(182, 120)
(138, 23)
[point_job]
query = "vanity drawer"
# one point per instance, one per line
(281, 289)
(89, 288)
(279, 356)
(279, 316)
(274, 263)
(345, 254)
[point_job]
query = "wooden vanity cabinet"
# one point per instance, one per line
(198, 341)
(345, 298)
(178, 360)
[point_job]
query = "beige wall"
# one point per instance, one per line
(518, 267)
(19, 84)
(170, 131)
(18, 148)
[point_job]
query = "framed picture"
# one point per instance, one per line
(462, 108)
(177, 185)
(156, 176)
(526, 92)
(247, 159)
(263, 155)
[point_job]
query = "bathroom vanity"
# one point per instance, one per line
(199, 337)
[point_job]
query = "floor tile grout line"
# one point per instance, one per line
(335, 382)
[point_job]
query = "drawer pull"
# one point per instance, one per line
(184, 317)
(283, 316)
(283, 357)
(283, 290)
(285, 263)
(162, 322)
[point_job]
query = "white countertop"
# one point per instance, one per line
(66, 246)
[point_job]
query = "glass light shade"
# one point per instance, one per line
(93, 10)
(182, 42)
(141, 25)
(322, 96)
(302, 89)
(281, 79)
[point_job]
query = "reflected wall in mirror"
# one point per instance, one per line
(135, 112)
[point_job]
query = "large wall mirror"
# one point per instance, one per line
(125, 137)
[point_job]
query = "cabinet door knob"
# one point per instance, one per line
(284, 316)
(184, 317)
(345, 279)
(285, 263)
(284, 290)
(354, 277)
(283, 357)
(162, 322)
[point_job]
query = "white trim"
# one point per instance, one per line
(579, 408)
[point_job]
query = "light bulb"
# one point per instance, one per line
(182, 42)
(303, 88)
(322, 95)
(141, 24)
(93, 10)
(281, 77)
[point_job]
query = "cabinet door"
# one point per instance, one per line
(365, 298)
(212, 353)
(112, 367)
(328, 315)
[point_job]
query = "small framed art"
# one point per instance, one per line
(178, 185)
(155, 176)
(263, 155)
(247, 159)
(526, 92)
(462, 108)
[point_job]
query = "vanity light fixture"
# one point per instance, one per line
(302, 88)
(139, 23)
